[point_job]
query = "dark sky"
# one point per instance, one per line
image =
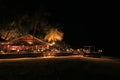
(84, 23)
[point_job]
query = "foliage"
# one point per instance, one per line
(35, 24)
(54, 35)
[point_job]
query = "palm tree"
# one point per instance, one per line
(54, 35)
(9, 31)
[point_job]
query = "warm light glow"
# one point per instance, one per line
(53, 43)
(18, 50)
(54, 35)
(30, 42)
(8, 46)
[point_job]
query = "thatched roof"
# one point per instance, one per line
(27, 40)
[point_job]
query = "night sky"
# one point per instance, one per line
(84, 23)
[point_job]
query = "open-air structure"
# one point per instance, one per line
(24, 44)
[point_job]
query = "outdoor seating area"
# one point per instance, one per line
(23, 44)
